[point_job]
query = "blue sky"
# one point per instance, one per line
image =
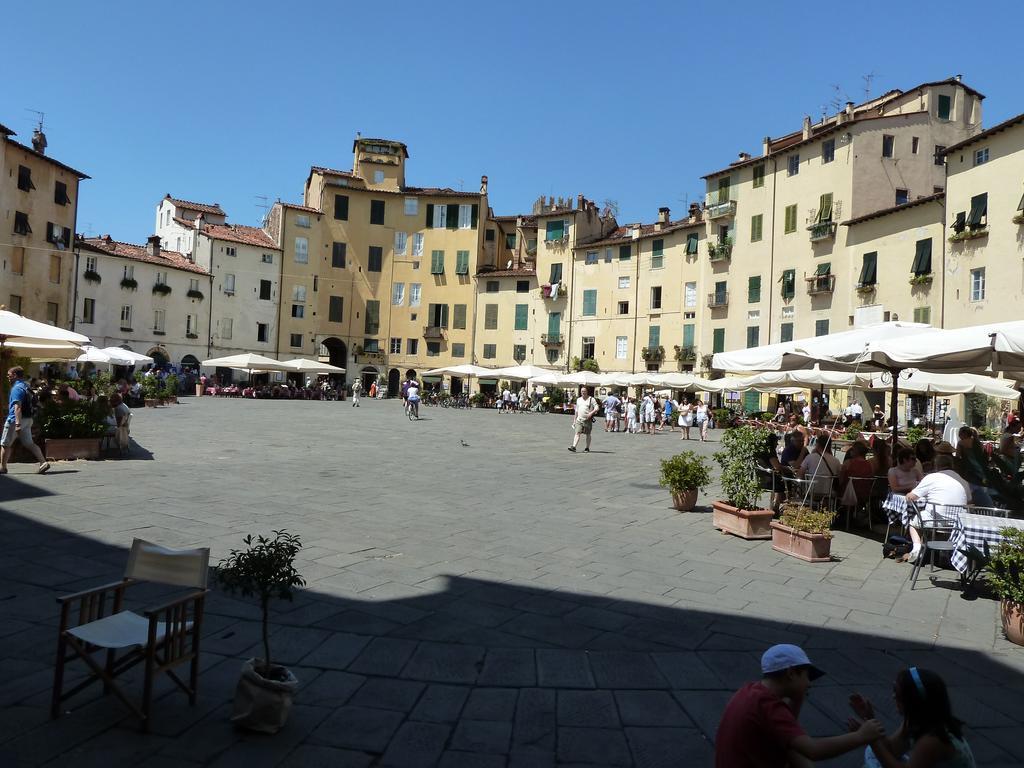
(223, 102)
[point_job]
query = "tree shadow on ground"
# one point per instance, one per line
(458, 671)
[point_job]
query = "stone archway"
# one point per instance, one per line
(191, 362)
(160, 357)
(333, 351)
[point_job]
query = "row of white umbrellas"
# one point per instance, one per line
(259, 364)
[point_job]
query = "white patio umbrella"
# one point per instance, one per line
(246, 362)
(520, 372)
(999, 346)
(133, 358)
(30, 338)
(461, 370)
(303, 365)
(91, 354)
(943, 384)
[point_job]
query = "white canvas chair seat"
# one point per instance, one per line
(122, 630)
(109, 640)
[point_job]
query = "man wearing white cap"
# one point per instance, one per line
(759, 727)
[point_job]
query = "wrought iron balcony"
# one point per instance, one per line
(433, 332)
(719, 210)
(551, 339)
(717, 299)
(822, 230)
(720, 250)
(653, 354)
(686, 354)
(817, 284)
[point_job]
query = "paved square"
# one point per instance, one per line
(503, 602)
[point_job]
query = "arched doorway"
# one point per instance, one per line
(190, 362)
(334, 352)
(394, 382)
(160, 357)
(369, 375)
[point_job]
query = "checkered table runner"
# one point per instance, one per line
(975, 530)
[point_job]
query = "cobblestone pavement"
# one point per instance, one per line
(477, 596)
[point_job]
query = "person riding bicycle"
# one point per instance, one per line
(412, 396)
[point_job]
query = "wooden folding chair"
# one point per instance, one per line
(94, 624)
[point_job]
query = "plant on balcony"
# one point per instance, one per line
(587, 364)
(162, 288)
(653, 353)
(545, 291)
(194, 294)
(130, 283)
(865, 289)
(92, 276)
(922, 279)
(968, 234)
(1019, 218)
(721, 249)
(685, 353)
(822, 229)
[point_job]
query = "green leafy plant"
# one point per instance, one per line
(590, 364)
(92, 276)
(130, 283)
(653, 353)
(914, 434)
(740, 448)
(150, 387)
(171, 386)
(988, 433)
(556, 396)
(853, 431)
(73, 420)
(194, 294)
(723, 417)
(162, 288)
(802, 518)
(685, 471)
(264, 569)
(1006, 568)
(925, 279)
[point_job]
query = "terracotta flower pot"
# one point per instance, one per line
(812, 547)
(152, 402)
(1013, 621)
(745, 523)
(63, 449)
(686, 500)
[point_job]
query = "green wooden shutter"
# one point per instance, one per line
(372, 318)
(790, 218)
(691, 243)
(922, 315)
(945, 104)
(452, 216)
(462, 263)
(444, 316)
(522, 313)
(556, 273)
(589, 303)
(786, 332)
(474, 214)
(437, 262)
(979, 209)
(868, 269)
(718, 340)
(430, 215)
(754, 289)
(825, 207)
(459, 316)
(491, 317)
(789, 284)
(654, 336)
(625, 252)
(554, 323)
(756, 228)
(657, 254)
(923, 257)
(753, 336)
(688, 331)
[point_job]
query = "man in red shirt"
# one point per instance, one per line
(759, 727)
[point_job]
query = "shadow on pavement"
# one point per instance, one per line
(457, 671)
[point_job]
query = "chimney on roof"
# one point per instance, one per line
(766, 145)
(579, 202)
(483, 185)
(694, 210)
(807, 126)
(199, 222)
(39, 141)
(849, 109)
(744, 156)
(958, 78)
(634, 231)
(153, 245)
(663, 217)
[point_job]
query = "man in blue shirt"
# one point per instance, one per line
(19, 422)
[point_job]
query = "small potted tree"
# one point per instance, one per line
(170, 393)
(150, 390)
(739, 513)
(264, 569)
(1006, 574)
(685, 475)
(73, 429)
(804, 533)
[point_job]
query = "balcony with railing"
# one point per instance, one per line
(819, 284)
(719, 204)
(433, 332)
(552, 339)
(822, 230)
(686, 354)
(717, 251)
(653, 354)
(718, 299)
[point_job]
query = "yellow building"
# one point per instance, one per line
(635, 296)
(984, 226)
(773, 221)
(39, 209)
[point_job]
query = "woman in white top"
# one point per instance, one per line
(685, 419)
(702, 419)
(904, 477)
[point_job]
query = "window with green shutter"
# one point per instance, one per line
(718, 340)
(923, 257)
(753, 336)
(788, 284)
(430, 216)
(452, 217)
(945, 107)
(654, 336)
(377, 211)
(790, 219)
(657, 254)
(869, 269)
(753, 289)
(556, 274)
(462, 262)
(590, 303)
(437, 262)
(625, 252)
(756, 228)
(786, 332)
(923, 315)
(510, 241)
(554, 230)
(691, 243)
(459, 316)
(372, 317)
(825, 207)
(522, 313)
(490, 317)
(821, 327)
(341, 207)
(554, 323)
(758, 176)
(375, 260)
(688, 335)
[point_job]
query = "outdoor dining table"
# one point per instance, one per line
(977, 531)
(895, 506)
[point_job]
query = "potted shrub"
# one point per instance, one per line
(1006, 574)
(72, 429)
(685, 475)
(804, 533)
(739, 513)
(170, 392)
(150, 390)
(264, 569)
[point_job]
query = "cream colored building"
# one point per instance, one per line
(38, 210)
(143, 298)
(298, 233)
(984, 226)
(773, 220)
(636, 296)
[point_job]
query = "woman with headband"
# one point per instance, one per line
(929, 737)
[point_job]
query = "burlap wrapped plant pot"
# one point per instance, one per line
(262, 704)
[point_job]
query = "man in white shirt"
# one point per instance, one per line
(806, 412)
(857, 411)
(586, 409)
(820, 465)
(936, 491)
(506, 400)
(611, 413)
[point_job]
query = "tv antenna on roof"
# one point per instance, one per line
(867, 84)
(461, 181)
(41, 115)
(265, 205)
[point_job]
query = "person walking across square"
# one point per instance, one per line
(18, 425)
(586, 409)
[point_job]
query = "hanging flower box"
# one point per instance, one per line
(162, 288)
(968, 234)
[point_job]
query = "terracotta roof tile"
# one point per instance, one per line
(625, 234)
(47, 158)
(111, 247)
(435, 191)
(297, 207)
(239, 233)
(194, 206)
(521, 272)
(330, 171)
(986, 133)
(895, 208)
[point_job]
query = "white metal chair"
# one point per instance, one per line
(933, 520)
(818, 492)
(94, 623)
